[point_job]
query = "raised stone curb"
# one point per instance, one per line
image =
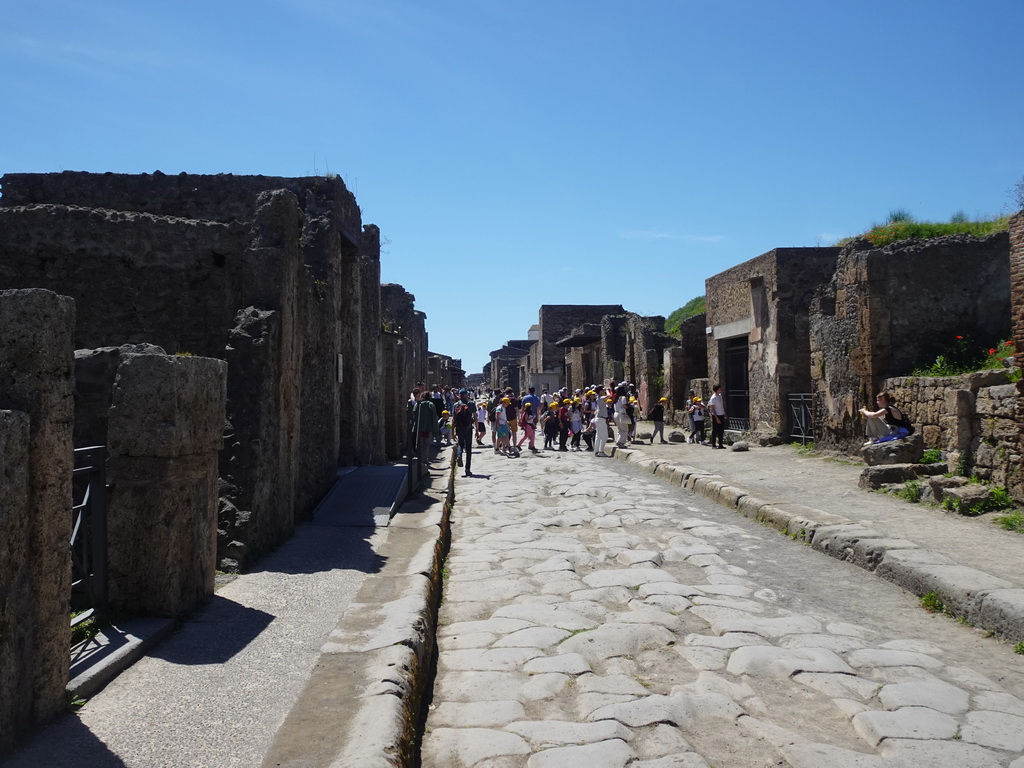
(362, 704)
(984, 600)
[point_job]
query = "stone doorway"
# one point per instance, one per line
(735, 355)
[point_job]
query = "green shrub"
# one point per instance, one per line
(931, 456)
(694, 306)
(932, 603)
(911, 491)
(1011, 522)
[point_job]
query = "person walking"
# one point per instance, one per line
(601, 416)
(696, 412)
(424, 417)
(528, 419)
(716, 405)
(464, 422)
(657, 415)
(621, 416)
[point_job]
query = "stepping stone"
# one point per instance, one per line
(533, 637)
(906, 723)
(999, 702)
(465, 747)
(912, 752)
(549, 733)
(868, 657)
(838, 686)
(933, 694)
(489, 660)
(994, 729)
(616, 684)
(626, 577)
(614, 753)
(771, 662)
(566, 663)
(546, 615)
(616, 639)
(477, 714)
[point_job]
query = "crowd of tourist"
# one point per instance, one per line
(584, 420)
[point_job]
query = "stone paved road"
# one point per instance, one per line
(597, 616)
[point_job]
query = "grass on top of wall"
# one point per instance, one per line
(902, 226)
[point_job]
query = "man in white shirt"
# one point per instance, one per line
(716, 406)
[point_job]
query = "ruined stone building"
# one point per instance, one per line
(624, 347)
(886, 311)
(405, 358)
(758, 334)
(685, 366)
(545, 365)
(277, 276)
(507, 366)
(444, 371)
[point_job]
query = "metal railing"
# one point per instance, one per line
(89, 534)
(737, 424)
(801, 417)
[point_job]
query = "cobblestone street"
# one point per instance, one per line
(597, 616)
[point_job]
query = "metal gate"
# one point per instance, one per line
(89, 534)
(735, 357)
(801, 417)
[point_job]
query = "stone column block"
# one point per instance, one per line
(165, 429)
(15, 581)
(36, 375)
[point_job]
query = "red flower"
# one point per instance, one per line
(992, 351)
(959, 337)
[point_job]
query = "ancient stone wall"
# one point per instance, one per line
(971, 417)
(135, 277)
(888, 310)
(404, 363)
(1016, 481)
(684, 363)
(276, 276)
(36, 461)
(556, 322)
(766, 301)
(164, 435)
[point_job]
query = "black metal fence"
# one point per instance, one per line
(89, 534)
(801, 417)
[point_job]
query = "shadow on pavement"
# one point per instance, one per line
(221, 629)
(69, 744)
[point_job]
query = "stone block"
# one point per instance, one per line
(36, 372)
(906, 451)
(167, 406)
(1002, 610)
(874, 477)
(968, 496)
(15, 585)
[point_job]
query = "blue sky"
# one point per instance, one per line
(525, 153)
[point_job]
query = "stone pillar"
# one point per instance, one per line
(15, 580)
(165, 428)
(36, 457)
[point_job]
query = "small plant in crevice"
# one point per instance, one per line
(1019, 648)
(1011, 522)
(932, 603)
(911, 491)
(931, 456)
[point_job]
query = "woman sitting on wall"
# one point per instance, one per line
(887, 423)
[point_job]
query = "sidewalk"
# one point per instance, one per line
(972, 564)
(216, 690)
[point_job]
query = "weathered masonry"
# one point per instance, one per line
(276, 276)
(887, 310)
(758, 335)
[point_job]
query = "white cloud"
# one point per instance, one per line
(651, 234)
